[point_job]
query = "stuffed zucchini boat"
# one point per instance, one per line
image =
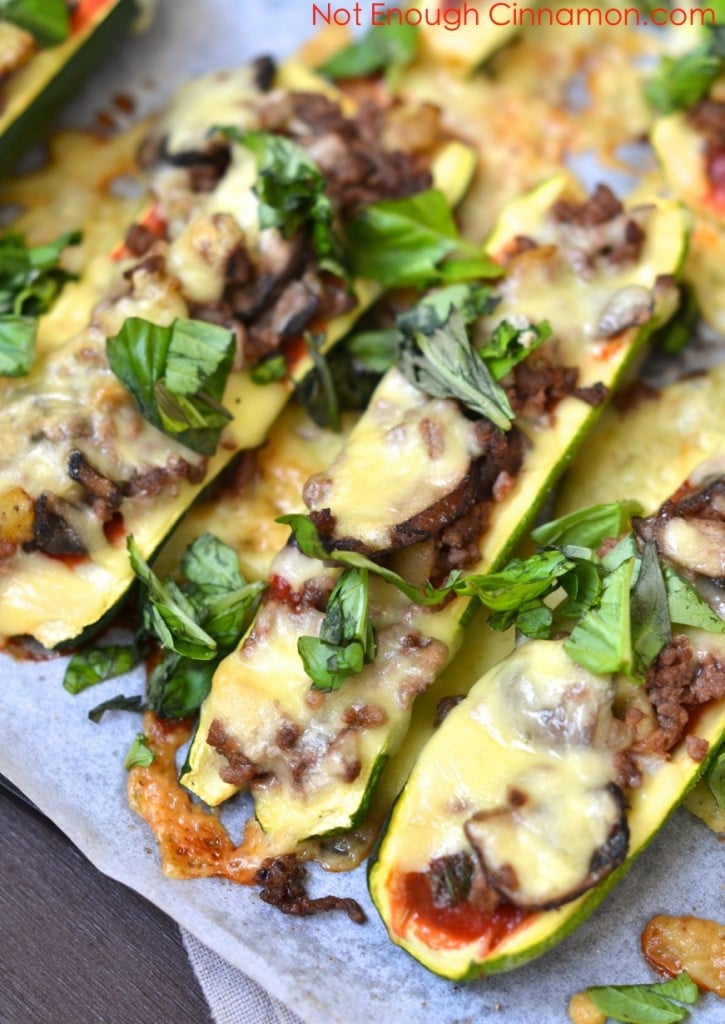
(541, 787)
(235, 265)
(433, 479)
(46, 51)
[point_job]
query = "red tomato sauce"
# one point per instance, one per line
(448, 927)
(85, 12)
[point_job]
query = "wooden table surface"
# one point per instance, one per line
(77, 947)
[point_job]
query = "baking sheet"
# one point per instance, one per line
(327, 968)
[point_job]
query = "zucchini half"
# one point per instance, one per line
(35, 93)
(57, 600)
(476, 760)
(261, 692)
(681, 152)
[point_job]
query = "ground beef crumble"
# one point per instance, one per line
(676, 683)
(283, 886)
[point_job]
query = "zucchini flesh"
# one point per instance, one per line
(92, 589)
(262, 686)
(36, 92)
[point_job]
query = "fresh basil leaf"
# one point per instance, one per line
(650, 614)
(601, 640)
(346, 642)
(139, 754)
(30, 281)
(227, 614)
(212, 566)
(681, 82)
(588, 527)
(177, 375)
(387, 48)
(401, 242)
(317, 393)
(686, 606)
(119, 703)
(170, 614)
(646, 1004)
(519, 582)
(715, 778)
(292, 193)
(270, 370)
(97, 664)
(535, 621)
(624, 549)
(445, 365)
(583, 586)
(177, 686)
(222, 598)
(469, 300)
(48, 21)
(17, 345)
(509, 345)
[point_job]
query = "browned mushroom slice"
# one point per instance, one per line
(555, 838)
(691, 533)
(105, 496)
(52, 531)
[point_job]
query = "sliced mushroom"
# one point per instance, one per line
(697, 545)
(632, 306)
(52, 532)
(107, 496)
(554, 839)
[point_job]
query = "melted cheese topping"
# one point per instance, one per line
(423, 448)
(516, 719)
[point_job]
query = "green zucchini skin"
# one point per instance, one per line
(34, 121)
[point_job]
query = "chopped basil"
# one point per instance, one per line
(97, 664)
(402, 242)
(17, 344)
(646, 1004)
(177, 686)
(177, 375)
(47, 20)
(197, 623)
(650, 615)
(118, 703)
(686, 606)
(30, 281)
(388, 48)
(292, 193)
(270, 370)
(346, 378)
(318, 392)
(681, 82)
(139, 753)
(601, 640)
(509, 345)
(587, 527)
(617, 609)
(168, 614)
(347, 641)
(445, 365)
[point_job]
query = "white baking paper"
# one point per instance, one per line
(326, 968)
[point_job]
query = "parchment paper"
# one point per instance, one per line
(327, 968)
